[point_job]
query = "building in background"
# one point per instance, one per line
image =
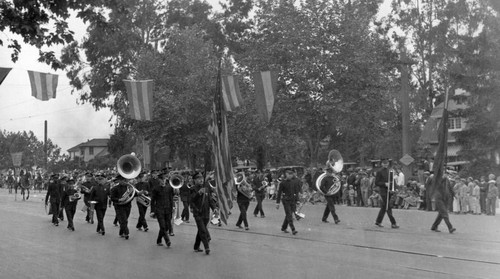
(89, 150)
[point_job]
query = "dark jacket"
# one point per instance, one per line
(68, 192)
(116, 193)
(54, 192)
(185, 193)
(289, 190)
(326, 183)
(143, 186)
(256, 184)
(162, 199)
(202, 203)
(443, 192)
(100, 194)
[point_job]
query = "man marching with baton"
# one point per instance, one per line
(383, 181)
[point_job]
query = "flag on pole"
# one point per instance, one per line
(224, 180)
(140, 98)
(3, 73)
(265, 89)
(43, 86)
(440, 160)
(231, 93)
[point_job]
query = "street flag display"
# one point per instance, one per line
(17, 157)
(440, 160)
(3, 73)
(231, 93)
(265, 89)
(224, 180)
(140, 98)
(43, 85)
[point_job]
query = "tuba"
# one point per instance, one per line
(176, 181)
(336, 164)
(242, 185)
(129, 167)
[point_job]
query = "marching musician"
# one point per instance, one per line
(162, 200)
(184, 195)
(288, 192)
(259, 186)
(122, 209)
(326, 183)
(69, 202)
(99, 194)
(165, 180)
(54, 193)
(442, 196)
(243, 199)
(142, 185)
(87, 187)
(382, 181)
(63, 183)
(201, 203)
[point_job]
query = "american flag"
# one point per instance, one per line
(224, 180)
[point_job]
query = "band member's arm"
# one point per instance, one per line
(154, 198)
(48, 194)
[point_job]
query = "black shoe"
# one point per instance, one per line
(435, 230)
(116, 225)
(169, 243)
(140, 229)
(325, 221)
(122, 235)
(452, 230)
(285, 231)
(159, 244)
(126, 237)
(262, 216)
(394, 226)
(146, 229)
(171, 234)
(379, 225)
(239, 226)
(198, 250)
(294, 232)
(56, 224)
(246, 228)
(207, 251)
(337, 221)
(255, 215)
(187, 221)
(102, 232)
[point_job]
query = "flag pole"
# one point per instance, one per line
(45, 145)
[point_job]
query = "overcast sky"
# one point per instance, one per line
(69, 123)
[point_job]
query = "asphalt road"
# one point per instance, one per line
(30, 247)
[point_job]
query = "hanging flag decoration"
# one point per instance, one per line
(140, 98)
(43, 85)
(265, 89)
(17, 158)
(224, 180)
(3, 73)
(231, 93)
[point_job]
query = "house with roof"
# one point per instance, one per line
(89, 150)
(429, 136)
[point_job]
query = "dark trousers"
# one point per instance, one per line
(289, 207)
(122, 214)
(141, 223)
(330, 208)
(258, 207)
(169, 226)
(442, 215)
(70, 209)
(89, 212)
(164, 218)
(482, 201)
(203, 236)
(54, 207)
(243, 205)
(185, 211)
(359, 198)
(381, 213)
(100, 212)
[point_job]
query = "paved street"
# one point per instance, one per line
(32, 248)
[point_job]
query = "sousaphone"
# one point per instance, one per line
(129, 167)
(336, 164)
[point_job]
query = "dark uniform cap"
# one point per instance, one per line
(196, 174)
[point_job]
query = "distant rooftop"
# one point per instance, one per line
(90, 143)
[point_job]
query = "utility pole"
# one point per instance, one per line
(405, 110)
(45, 145)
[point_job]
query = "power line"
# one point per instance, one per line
(41, 114)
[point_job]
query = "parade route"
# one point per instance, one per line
(33, 248)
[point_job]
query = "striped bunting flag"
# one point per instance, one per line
(3, 73)
(265, 90)
(140, 98)
(224, 180)
(231, 93)
(43, 86)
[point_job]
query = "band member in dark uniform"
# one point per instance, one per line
(162, 200)
(185, 195)
(99, 194)
(243, 199)
(87, 187)
(442, 196)
(326, 183)
(382, 181)
(288, 193)
(142, 185)
(63, 183)
(122, 209)
(54, 193)
(260, 193)
(69, 201)
(201, 203)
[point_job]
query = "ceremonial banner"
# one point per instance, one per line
(441, 153)
(140, 98)
(43, 86)
(3, 73)
(224, 180)
(265, 90)
(231, 93)
(17, 158)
